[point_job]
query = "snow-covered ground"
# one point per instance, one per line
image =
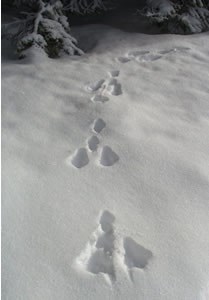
(130, 218)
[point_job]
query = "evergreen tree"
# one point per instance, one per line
(178, 16)
(44, 27)
(84, 6)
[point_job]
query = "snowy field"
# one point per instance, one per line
(105, 170)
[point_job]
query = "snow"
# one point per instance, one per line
(79, 223)
(166, 7)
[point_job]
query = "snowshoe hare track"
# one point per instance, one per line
(182, 49)
(108, 157)
(147, 56)
(97, 257)
(101, 87)
(173, 50)
(123, 59)
(95, 86)
(140, 56)
(136, 256)
(106, 253)
(114, 73)
(93, 143)
(99, 98)
(163, 52)
(114, 87)
(136, 53)
(111, 86)
(80, 158)
(98, 125)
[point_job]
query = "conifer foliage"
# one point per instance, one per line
(46, 27)
(43, 24)
(179, 16)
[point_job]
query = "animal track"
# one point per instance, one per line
(177, 49)
(123, 59)
(106, 221)
(149, 58)
(101, 262)
(135, 53)
(111, 81)
(114, 73)
(182, 48)
(136, 256)
(99, 98)
(108, 157)
(93, 143)
(93, 87)
(146, 56)
(98, 125)
(103, 250)
(80, 158)
(113, 87)
(97, 257)
(167, 51)
(115, 90)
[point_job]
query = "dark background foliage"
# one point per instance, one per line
(175, 16)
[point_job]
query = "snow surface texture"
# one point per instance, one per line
(151, 239)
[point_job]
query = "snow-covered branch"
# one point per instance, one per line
(84, 6)
(46, 28)
(181, 16)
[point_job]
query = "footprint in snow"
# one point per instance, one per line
(80, 158)
(182, 49)
(99, 98)
(149, 58)
(167, 51)
(97, 257)
(136, 53)
(114, 87)
(136, 256)
(105, 248)
(123, 59)
(93, 143)
(93, 87)
(172, 50)
(98, 125)
(108, 157)
(114, 73)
